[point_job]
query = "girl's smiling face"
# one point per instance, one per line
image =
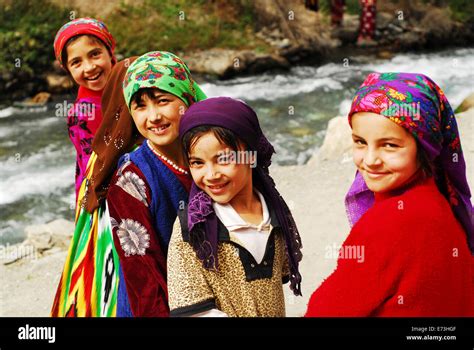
(214, 171)
(89, 62)
(157, 115)
(384, 152)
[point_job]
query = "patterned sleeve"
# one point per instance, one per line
(189, 292)
(81, 129)
(141, 254)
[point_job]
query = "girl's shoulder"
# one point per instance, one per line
(130, 179)
(420, 212)
(423, 200)
(128, 169)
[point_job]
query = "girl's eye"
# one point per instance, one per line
(163, 100)
(195, 163)
(138, 105)
(390, 145)
(359, 142)
(96, 53)
(224, 159)
(74, 63)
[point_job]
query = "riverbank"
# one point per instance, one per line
(222, 39)
(28, 284)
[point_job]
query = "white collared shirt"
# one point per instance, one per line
(252, 237)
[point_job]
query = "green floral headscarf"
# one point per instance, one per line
(162, 70)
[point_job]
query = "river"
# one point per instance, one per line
(294, 107)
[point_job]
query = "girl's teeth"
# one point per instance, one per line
(217, 187)
(160, 128)
(94, 77)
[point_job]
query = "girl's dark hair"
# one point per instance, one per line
(74, 38)
(426, 165)
(148, 92)
(225, 136)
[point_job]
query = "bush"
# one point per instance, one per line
(27, 33)
(179, 25)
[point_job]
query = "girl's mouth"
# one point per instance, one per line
(375, 175)
(94, 77)
(217, 189)
(159, 130)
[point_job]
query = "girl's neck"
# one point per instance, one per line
(84, 92)
(248, 206)
(172, 151)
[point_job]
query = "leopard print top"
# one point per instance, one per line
(235, 288)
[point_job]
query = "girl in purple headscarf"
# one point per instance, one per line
(409, 206)
(236, 242)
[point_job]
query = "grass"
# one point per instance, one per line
(179, 26)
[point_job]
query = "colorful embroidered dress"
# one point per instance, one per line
(88, 285)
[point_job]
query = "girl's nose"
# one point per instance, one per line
(155, 115)
(89, 66)
(212, 173)
(372, 157)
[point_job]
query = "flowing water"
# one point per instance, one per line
(37, 159)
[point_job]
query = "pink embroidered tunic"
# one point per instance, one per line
(83, 120)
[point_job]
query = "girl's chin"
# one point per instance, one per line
(376, 186)
(161, 141)
(99, 83)
(220, 198)
(95, 87)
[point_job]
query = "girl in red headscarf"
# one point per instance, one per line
(85, 49)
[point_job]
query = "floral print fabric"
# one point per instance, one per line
(164, 71)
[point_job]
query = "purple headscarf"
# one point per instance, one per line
(417, 104)
(238, 117)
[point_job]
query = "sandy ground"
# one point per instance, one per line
(315, 193)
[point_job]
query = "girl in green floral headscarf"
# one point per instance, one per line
(152, 182)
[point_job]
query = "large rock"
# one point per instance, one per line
(227, 63)
(337, 143)
(412, 39)
(58, 83)
(56, 233)
(41, 98)
(301, 27)
(437, 24)
(466, 104)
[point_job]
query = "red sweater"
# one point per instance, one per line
(416, 262)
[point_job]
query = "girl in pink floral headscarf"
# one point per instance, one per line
(409, 252)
